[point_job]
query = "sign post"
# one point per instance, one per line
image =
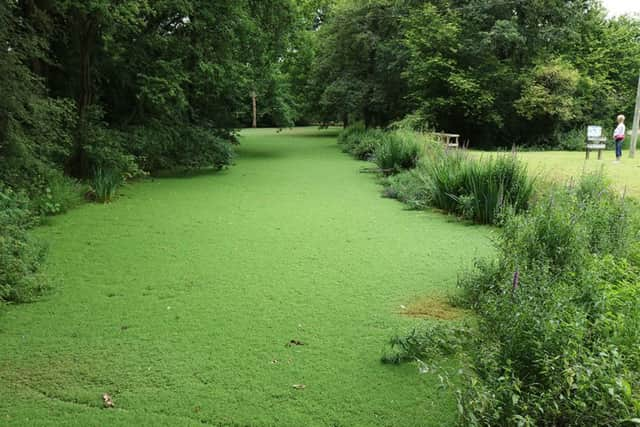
(254, 122)
(636, 120)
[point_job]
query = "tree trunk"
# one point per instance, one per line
(4, 124)
(367, 117)
(87, 42)
(254, 123)
(78, 164)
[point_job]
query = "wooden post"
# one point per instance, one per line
(254, 124)
(636, 120)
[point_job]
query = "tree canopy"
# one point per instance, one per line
(136, 85)
(499, 72)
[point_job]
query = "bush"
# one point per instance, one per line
(35, 144)
(108, 149)
(20, 254)
(410, 187)
(60, 194)
(359, 141)
(412, 122)
(351, 134)
(493, 185)
(574, 140)
(481, 190)
(397, 151)
(158, 148)
(556, 337)
(431, 341)
(105, 184)
(367, 144)
(445, 180)
(393, 151)
(477, 189)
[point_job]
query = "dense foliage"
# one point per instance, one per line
(556, 341)
(20, 254)
(133, 85)
(393, 151)
(422, 173)
(139, 86)
(498, 72)
(478, 189)
(95, 92)
(359, 63)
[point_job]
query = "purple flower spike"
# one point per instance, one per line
(516, 279)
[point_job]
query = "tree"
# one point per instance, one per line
(34, 128)
(359, 63)
(472, 63)
(164, 66)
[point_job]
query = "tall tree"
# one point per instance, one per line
(360, 61)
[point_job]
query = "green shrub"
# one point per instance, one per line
(430, 341)
(481, 190)
(351, 134)
(478, 189)
(360, 142)
(410, 187)
(367, 143)
(105, 184)
(574, 140)
(35, 143)
(393, 151)
(555, 340)
(108, 149)
(397, 151)
(493, 185)
(412, 122)
(20, 254)
(60, 194)
(556, 349)
(159, 148)
(199, 147)
(446, 180)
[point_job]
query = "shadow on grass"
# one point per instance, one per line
(189, 173)
(252, 153)
(330, 133)
(449, 217)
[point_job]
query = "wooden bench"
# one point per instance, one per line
(595, 141)
(596, 145)
(450, 140)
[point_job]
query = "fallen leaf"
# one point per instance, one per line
(294, 342)
(299, 386)
(107, 401)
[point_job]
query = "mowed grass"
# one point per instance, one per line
(179, 299)
(564, 166)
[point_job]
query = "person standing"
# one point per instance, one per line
(618, 136)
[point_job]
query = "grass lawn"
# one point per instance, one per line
(562, 165)
(178, 300)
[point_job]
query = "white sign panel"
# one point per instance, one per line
(594, 132)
